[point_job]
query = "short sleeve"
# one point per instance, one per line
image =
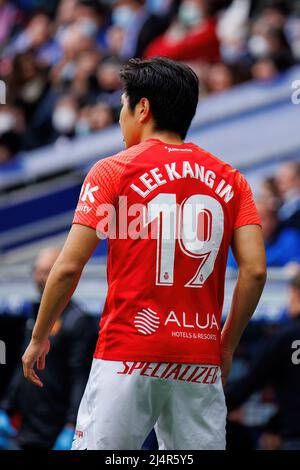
(99, 189)
(247, 213)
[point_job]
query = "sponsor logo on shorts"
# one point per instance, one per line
(146, 321)
(172, 371)
(79, 434)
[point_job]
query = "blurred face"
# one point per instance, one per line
(268, 220)
(219, 78)
(191, 12)
(264, 69)
(108, 76)
(39, 30)
(65, 115)
(43, 266)
(286, 179)
(100, 117)
(66, 12)
(274, 17)
(294, 301)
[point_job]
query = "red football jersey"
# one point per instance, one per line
(171, 210)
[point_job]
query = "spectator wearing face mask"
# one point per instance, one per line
(91, 16)
(160, 16)
(269, 42)
(192, 35)
(64, 117)
(129, 16)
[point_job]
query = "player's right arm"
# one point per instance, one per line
(61, 283)
(98, 189)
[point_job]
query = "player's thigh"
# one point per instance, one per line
(117, 410)
(194, 417)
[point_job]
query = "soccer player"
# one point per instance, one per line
(173, 210)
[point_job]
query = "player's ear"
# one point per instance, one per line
(143, 110)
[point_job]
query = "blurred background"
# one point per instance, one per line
(59, 60)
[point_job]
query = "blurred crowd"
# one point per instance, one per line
(278, 203)
(60, 58)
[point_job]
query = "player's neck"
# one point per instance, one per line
(165, 136)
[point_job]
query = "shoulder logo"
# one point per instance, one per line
(87, 192)
(146, 321)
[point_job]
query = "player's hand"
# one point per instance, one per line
(226, 361)
(35, 353)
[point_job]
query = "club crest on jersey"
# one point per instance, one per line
(146, 321)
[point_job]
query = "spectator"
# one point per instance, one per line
(100, 117)
(33, 37)
(266, 41)
(12, 125)
(129, 15)
(282, 245)
(76, 47)
(276, 363)
(64, 378)
(191, 36)
(220, 77)
(109, 85)
(141, 21)
(74, 43)
(161, 14)
(27, 83)
(265, 69)
(64, 117)
(269, 192)
(83, 86)
(288, 182)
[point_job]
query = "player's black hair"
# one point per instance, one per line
(172, 89)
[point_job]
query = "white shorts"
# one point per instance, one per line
(123, 401)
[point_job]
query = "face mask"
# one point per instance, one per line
(190, 14)
(64, 119)
(122, 16)
(258, 46)
(68, 71)
(32, 90)
(88, 27)
(7, 122)
(82, 127)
